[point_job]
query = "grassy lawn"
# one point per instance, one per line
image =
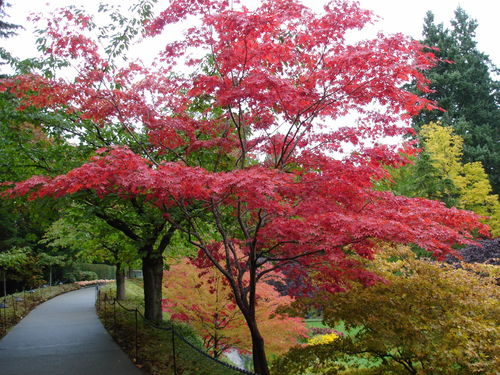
(315, 323)
(18, 305)
(318, 323)
(154, 350)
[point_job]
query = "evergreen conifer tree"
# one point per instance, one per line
(464, 87)
(7, 29)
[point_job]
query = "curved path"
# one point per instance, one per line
(63, 336)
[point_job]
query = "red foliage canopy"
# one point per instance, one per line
(249, 139)
(275, 77)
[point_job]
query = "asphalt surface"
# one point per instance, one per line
(63, 336)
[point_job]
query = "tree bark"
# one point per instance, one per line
(120, 282)
(258, 351)
(152, 271)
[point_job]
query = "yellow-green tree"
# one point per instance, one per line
(474, 189)
(444, 147)
(476, 196)
(428, 319)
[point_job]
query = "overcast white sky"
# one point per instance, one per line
(397, 16)
(407, 16)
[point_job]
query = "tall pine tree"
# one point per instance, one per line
(465, 88)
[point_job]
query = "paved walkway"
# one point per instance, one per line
(63, 336)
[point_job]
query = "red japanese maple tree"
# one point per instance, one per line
(248, 142)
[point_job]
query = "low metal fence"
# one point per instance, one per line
(16, 306)
(112, 310)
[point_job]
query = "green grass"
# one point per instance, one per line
(154, 346)
(20, 304)
(315, 323)
(340, 327)
(352, 361)
(134, 288)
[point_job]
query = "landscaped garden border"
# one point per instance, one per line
(164, 349)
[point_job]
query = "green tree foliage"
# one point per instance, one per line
(465, 88)
(89, 239)
(428, 319)
(27, 149)
(438, 173)
(32, 143)
(421, 179)
(92, 239)
(49, 261)
(12, 260)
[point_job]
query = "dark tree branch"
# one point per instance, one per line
(119, 224)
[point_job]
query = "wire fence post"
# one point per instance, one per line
(97, 296)
(173, 350)
(136, 329)
(98, 299)
(105, 309)
(14, 306)
(114, 314)
(5, 314)
(4, 326)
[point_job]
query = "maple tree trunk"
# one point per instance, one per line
(120, 282)
(258, 351)
(152, 271)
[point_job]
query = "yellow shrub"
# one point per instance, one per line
(322, 339)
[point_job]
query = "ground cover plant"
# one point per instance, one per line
(487, 251)
(240, 156)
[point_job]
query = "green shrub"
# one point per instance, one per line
(102, 271)
(87, 275)
(80, 276)
(70, 277)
